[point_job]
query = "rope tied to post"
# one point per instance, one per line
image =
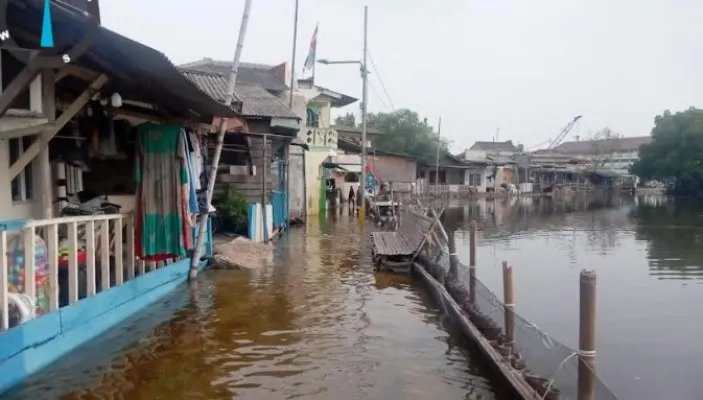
(580, 353)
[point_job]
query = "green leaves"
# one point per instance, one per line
(402, 132)
(676, 151)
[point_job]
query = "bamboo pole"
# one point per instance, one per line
(453, 260)
(587, 336)
(472, 262)
(229, 96)
(264, 200)
(472, 244)
(509, 303)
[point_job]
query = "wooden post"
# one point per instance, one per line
(509, 303)
(264, 173)
(587, 336)
(472, 262)
(453, 260)
(472, 244)
(49, 110)
(43, 139)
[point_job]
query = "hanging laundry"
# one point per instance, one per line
(192, 181)
(103, 132)
(162, 179)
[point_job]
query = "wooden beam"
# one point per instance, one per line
(48, 87)
(25, 131)
(19, 84)
(77, 71)
(149, 115)
(43, 140)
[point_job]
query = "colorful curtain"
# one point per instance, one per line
(162, 226)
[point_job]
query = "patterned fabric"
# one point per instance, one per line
(162, 181)
(15, 263)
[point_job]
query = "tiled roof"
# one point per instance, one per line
(496, 146)
(260, 74)
(256, 101)
(603, 145)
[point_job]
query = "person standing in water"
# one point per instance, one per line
(351, 196)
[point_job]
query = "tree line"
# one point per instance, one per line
(402, 131)
(675, 154)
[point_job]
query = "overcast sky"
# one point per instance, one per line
(527, 67)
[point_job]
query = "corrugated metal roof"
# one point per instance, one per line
(505, 146)
(604, 145)
(256, 101)
(131, 66)
(260, 74)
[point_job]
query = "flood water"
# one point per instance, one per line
(316, 323)
(648, 257)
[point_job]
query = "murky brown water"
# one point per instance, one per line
(314, 324)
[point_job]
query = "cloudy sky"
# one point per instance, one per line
(526, 67)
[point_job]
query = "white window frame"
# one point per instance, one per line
(475, 178)
(26, 191)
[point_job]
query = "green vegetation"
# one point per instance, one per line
(402, 132)
(675, 155)
(231, 213)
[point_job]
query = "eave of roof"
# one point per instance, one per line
(336, 99)
(255, 100)
(351, 129)
(130, 65)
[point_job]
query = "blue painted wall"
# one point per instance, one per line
(28, 348)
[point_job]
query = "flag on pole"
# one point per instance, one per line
(310, 60)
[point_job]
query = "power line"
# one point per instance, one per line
(375, 92)
(378, 75)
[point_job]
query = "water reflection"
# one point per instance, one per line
(647, 254)
(316, 324)
(674, 231)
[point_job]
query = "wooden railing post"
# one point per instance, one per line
(52, 248)
(30, 257)
(72, 262)
(587, 336)
(509, 303)
(130, 247)
(90, 260)
(5, 320)
(118, 252)
(104, 255)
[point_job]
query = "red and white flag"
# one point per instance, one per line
(310, 60)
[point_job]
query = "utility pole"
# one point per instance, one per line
(290, 105)
(439, 142)
(229, 96)
(364, 100)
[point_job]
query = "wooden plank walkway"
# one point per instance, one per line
(391, 244)
(406, 240)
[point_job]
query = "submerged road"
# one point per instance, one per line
(317, 323)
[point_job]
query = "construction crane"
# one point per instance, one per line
(562, 135)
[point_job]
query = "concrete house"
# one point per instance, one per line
(262, 112)
(614, 154)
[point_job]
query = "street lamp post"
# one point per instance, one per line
(361, 193)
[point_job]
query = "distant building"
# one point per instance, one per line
(506, 146)
(616, 154)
